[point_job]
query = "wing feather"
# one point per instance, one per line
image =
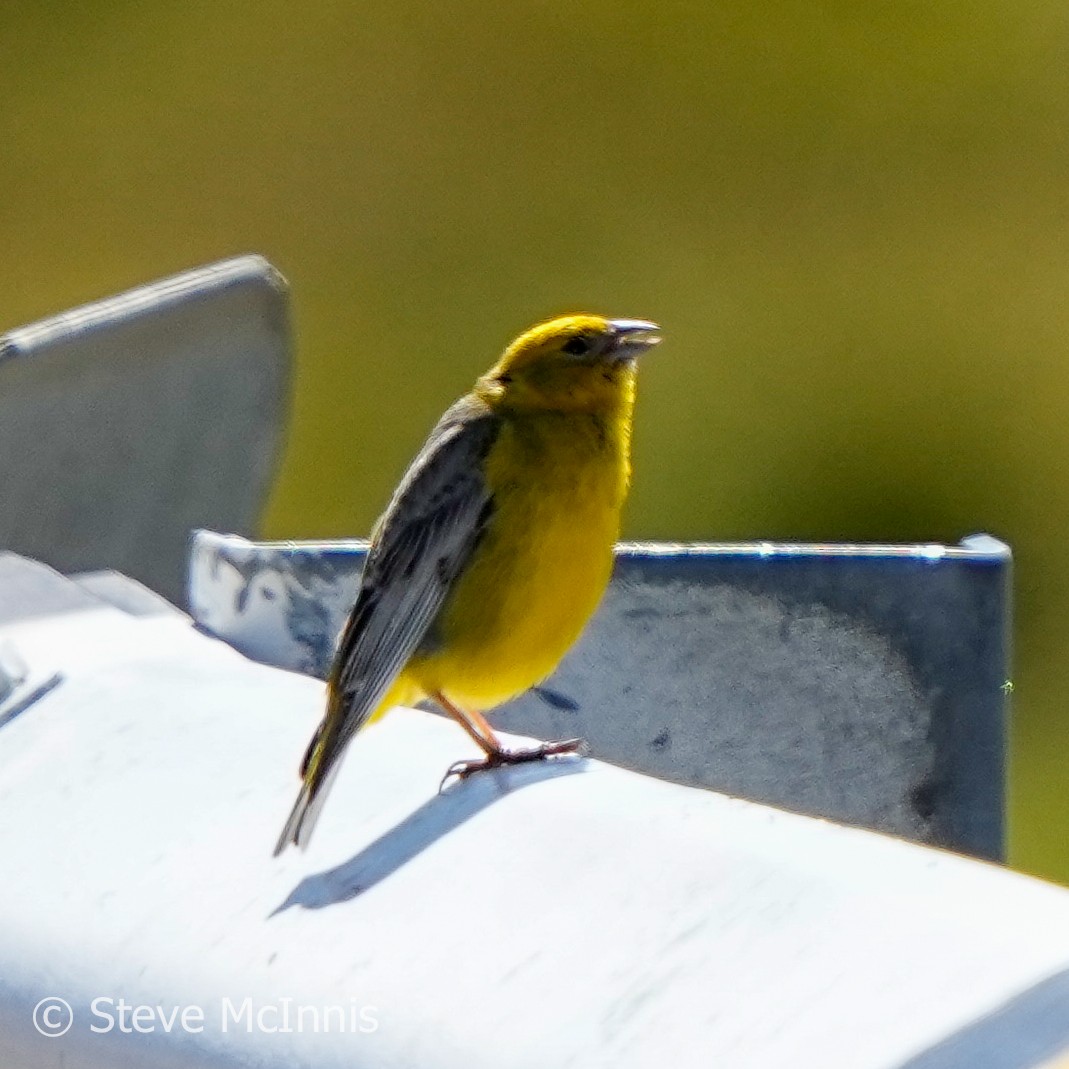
(425, 538)
(423, 541)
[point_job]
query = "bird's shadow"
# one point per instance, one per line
(437, 817)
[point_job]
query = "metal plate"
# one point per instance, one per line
(868, 684)
(128, 422)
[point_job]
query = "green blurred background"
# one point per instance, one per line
(852, 221)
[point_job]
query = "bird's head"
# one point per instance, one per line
(576, 362)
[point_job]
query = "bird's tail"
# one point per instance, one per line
(322, 759)
(305, 812)
(319, 766)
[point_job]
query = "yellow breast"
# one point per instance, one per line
(559, 481)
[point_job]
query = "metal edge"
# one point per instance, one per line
(152, 298)
(980, 547)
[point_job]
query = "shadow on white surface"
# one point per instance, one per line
(436, 818)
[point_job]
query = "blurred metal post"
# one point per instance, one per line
(868, 684)
(127, 422)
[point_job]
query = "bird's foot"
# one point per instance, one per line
(463, 769)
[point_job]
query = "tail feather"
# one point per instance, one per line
(310, 754)
(318, 768)
(305, 812)
(322, 759)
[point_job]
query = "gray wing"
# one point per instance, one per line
(426, 536)
(423, 541)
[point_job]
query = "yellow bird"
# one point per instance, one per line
(494, 551)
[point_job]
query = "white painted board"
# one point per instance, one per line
(572, 915)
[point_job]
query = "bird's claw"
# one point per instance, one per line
(463, 769)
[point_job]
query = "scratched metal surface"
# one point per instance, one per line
(127, 422)
(863, 683)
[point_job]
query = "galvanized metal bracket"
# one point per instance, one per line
(865, 683)
(127, 422)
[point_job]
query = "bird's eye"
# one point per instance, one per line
(577, 346)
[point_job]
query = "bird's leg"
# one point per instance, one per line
(475, 724)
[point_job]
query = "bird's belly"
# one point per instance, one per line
(528, 591)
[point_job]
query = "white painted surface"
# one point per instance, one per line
(579, 915)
